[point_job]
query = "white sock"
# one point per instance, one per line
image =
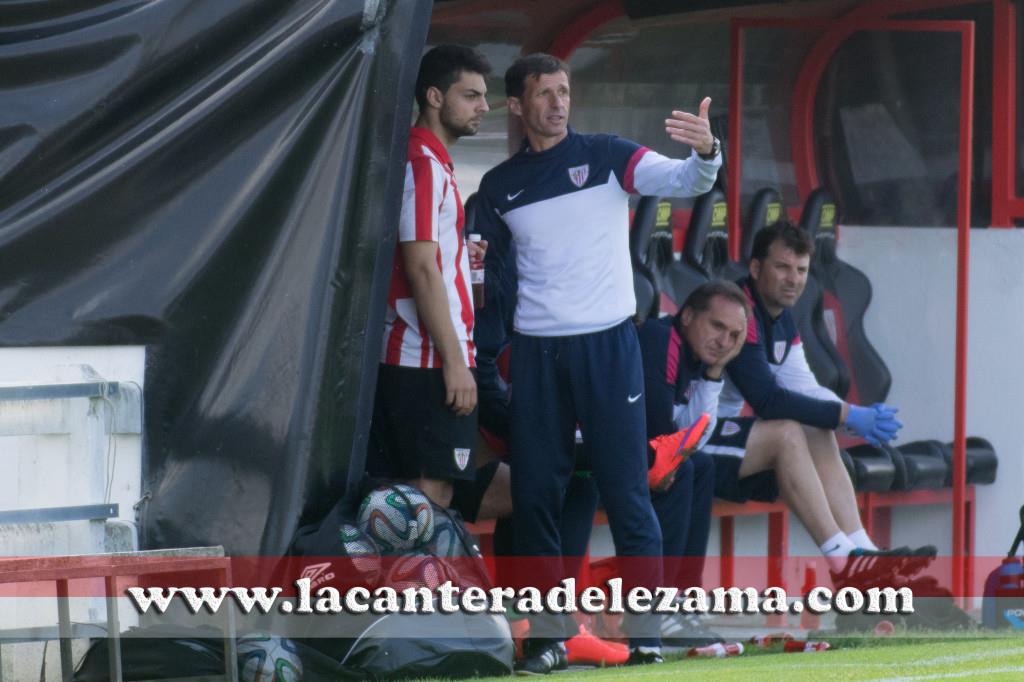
(836, 550)
(860, 538)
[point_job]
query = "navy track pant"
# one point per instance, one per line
(684, 512)
(595, 380)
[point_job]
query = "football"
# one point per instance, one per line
(418, 570)
(446, 541)
(397, 517)
(362, 553)
(267, 658)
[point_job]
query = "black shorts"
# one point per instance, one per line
(727, 445)
(414, 433)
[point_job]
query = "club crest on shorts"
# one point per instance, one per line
(579, 174)
(780, 350)
(461, 458)
(730, 428)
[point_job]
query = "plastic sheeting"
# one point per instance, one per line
(217, 181)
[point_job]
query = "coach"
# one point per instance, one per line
(563, 200)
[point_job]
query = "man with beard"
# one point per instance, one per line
(425, 416)
(789, 447)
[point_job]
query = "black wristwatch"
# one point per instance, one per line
(716, 146)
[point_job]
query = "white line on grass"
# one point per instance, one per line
(821, 661)
(943, 676)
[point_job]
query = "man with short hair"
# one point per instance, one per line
(790, 448)
(684, 359)
(425, 418)
(563, 201)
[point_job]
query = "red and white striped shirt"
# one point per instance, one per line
(431, 211)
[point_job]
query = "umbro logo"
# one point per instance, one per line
(511, 197)
(317, 574)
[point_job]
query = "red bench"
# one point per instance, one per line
(875, 509)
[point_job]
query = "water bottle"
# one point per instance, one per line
(716, 650)
(797, 646)
(476, 275)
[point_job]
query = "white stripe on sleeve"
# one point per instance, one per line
(657, 175)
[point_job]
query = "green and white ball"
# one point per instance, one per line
(418, 570)
(363, 555)
(267, 658)
(398, 518)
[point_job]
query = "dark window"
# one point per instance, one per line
(887, 124)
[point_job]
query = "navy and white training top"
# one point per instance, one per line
(771, 373)
(567, 210)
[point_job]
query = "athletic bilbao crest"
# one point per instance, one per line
(578, 174)
(461, 458)
(780, 350)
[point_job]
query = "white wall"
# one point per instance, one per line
(62, 452)
(911, 322)
(65, 452)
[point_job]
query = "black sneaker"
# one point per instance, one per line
(644, 656)
(542, 658)
(685, 630)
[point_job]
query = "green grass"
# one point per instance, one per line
(976, 658)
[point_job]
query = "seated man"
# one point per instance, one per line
(684, 357)
(790, 448)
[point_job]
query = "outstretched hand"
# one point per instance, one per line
(694, 130)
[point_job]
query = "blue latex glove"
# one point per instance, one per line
(876, 424)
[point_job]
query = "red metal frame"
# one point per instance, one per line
(1004, 115)
(806, 173)
(963, 247)
(573, 35)
(1006, 205)
(732, 185)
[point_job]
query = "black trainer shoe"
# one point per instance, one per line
(685, 630)
(542, 658)
(644, 656)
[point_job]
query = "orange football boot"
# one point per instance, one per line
(671, 450)
(588, 649)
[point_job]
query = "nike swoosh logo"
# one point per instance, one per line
(831, 549)
(513, 196)
(633, 398)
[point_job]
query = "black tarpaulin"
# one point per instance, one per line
(217, 181)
